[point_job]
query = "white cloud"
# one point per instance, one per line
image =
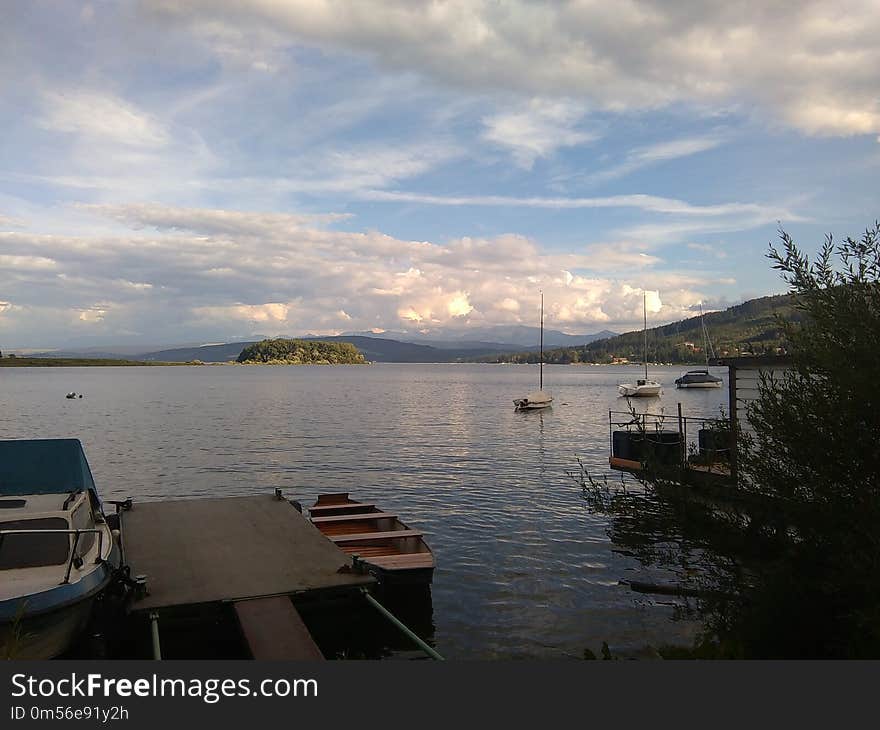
(660, 152)
(538, 129)
(814, 65)
(649, 203)
(197, 273)
(101, 117)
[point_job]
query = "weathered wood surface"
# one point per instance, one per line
(274, 630)
(233, 548)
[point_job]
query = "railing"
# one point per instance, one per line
(75, 532)
(662, 426)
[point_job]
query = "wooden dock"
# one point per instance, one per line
(253, 554)
(227, 549)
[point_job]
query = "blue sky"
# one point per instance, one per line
(201, 171)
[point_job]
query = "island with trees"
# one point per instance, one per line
(283, 351)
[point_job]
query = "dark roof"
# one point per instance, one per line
(43, 466)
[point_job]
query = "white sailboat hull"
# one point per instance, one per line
(641, 390)
(534, 401)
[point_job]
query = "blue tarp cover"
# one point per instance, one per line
(43, 466)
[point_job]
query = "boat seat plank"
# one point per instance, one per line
(347, 529)
(408, 560)
(274, 630)
(370, 551)
(361, 536)
(347, 518)
(326, 509)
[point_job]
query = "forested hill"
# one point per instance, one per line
(301, 352)
(747, 328)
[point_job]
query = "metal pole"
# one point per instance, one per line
(154, 629)
(541, 376)
(682, 438)
(645, 309)
(429, 650)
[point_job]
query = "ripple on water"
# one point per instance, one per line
(523, 569)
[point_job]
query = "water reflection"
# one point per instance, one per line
(523, 569)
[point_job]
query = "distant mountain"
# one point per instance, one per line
(206, 353)
(500, 337)
(376, 349)
(747, 328)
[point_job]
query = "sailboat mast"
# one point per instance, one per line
(707, 343)
(541, 376)
(645, 330)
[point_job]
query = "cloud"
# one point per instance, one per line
(183, 273)
(812, 65)
(660, 152)
(648, 203)
(101, 117)
(537, 130)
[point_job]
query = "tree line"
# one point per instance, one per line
(281, 351)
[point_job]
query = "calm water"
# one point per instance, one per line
(524, 570)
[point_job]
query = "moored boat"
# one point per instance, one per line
(701, 378)
(393, 552)
(643, 387)
(57, 552)
(537, 399)
(640, 389)
(698, 379)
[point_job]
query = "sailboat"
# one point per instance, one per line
(538, 399)
(643, 387)
(701, 378)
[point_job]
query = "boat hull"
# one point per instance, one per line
(526, 406)
(640, 391)
(44, 636)
(698, 385)
(390, 550)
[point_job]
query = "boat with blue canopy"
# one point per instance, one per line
(57, 551)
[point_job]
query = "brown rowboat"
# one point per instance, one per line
(392, 551)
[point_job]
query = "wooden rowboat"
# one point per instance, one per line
(394, 553)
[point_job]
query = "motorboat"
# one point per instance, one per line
(643, 387)
(57, 551)
(698, 379)
(391, 550)
(701, 378)
(538, 399)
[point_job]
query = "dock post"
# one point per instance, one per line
(154, 629)
(682, 438)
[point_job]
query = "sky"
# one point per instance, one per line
(201, 171)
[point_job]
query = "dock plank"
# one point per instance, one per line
(225, 549)
(274, 630)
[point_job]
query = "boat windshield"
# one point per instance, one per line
(34, 551)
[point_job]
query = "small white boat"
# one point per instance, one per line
(538, 399)
(57, 552)
(643, 387)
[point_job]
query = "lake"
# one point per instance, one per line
(524, 570)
